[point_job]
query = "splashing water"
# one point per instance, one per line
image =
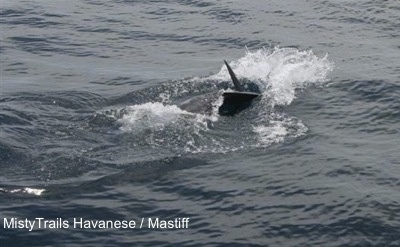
(156, 124)
(277, 72)
(156, 115)
(276, 127)
(280, 71)
(150, 115)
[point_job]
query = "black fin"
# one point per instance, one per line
(235, 102)
(235, 81)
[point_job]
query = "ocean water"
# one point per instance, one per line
(90, 128)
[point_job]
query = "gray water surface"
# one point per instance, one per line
(90, 129)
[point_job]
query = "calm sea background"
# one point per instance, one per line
(89, 125)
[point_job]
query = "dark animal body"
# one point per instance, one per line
(233, 101)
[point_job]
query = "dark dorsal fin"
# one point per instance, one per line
(235, 102)
(235, 81)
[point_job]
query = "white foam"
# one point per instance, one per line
(273, 133)
(26, 190)
(153, 115)
(279, 71)
(277, 128)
